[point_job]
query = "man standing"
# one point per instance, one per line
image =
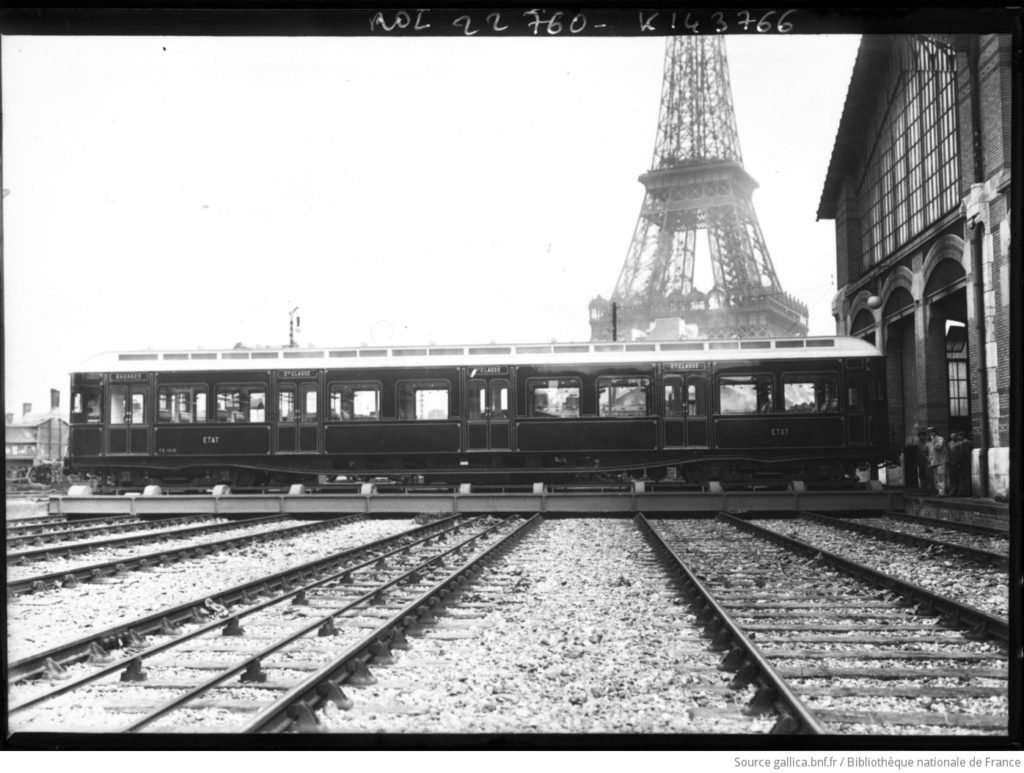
(938, 461)
(956, 461)
(924, 470)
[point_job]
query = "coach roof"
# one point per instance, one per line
(490, 354)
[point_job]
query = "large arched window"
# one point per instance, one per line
(910, 178)
(900, 302)
(863, 326)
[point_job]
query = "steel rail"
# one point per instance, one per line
(65, 530)
(44, 521)
(190, 611)
(742, 654)
(103, 570)
(145, 536)
(1000, 560)
(295, 709)
(254, 659)
(955, 613)
(280, 581)
(971, 528)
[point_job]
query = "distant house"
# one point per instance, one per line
(34, 439)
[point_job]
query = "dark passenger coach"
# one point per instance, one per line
(737, 412)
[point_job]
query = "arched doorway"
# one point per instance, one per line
(946, 295)
(900, 347)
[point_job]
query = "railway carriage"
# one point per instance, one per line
(738, 412)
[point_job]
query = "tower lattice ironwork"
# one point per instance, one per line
(696, 184)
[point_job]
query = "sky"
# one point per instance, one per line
(190, 192)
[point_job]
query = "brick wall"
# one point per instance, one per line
(994, 82)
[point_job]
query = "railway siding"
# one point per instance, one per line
(580, 628)
(32, 625)
(857, 656)
(272, 643)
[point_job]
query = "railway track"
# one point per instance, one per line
(306, 636)
(536, 643)
(61, 522)
(970, 575)
(836, 647)
(984, 545)
(957, 527)
(62, 529)
(98, 644)
(78, 541)
(104, 570)
(726, 628)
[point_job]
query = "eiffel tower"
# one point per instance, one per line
(697, 183)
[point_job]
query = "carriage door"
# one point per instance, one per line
(297, 418)
(129, 422)
(487, 413)
(686, 415)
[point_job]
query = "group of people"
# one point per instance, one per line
(944, 469)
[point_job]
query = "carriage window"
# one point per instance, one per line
(423, 400)
(286, 404)
(354, 401)
(286, 407)
(499, 399)
(485, 400)
(695, 398)
(118, 400)
(745, 394)
(138, 407)
(818, 393)
(679, 403)
(623, 396)
(555, 398)
(476, 400)
(181, 405)
(257, 406)
(85, 405)
(308, 403)
(241, 404)
(127, 408)
(673, 398)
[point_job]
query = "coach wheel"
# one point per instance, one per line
(39, 475)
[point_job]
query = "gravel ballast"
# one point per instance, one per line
(959, 579)
(578, 630)
(592, 640)
(948, 534)
(41, 620)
